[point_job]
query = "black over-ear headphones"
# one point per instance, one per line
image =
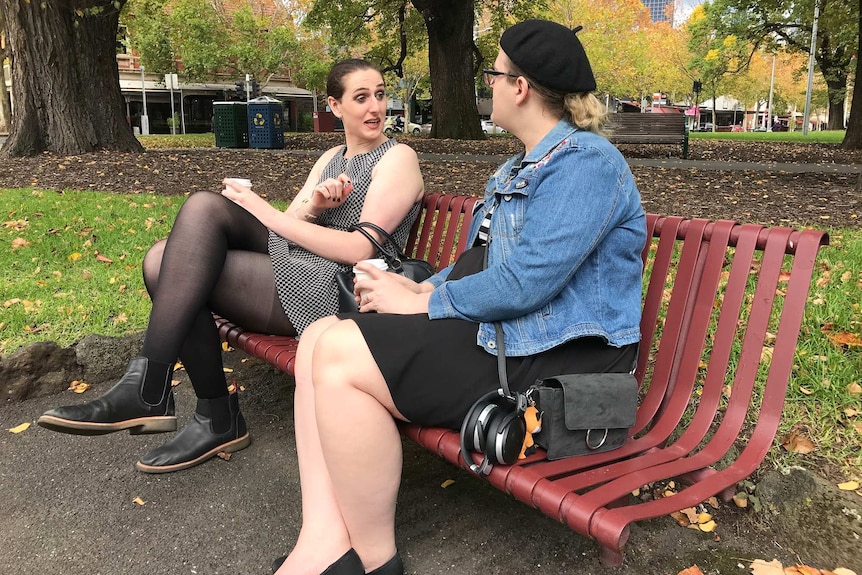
(494, 426)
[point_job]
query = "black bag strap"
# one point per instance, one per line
(393, 257)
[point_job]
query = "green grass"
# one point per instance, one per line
(824, 137)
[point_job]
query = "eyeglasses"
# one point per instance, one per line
(490, 75)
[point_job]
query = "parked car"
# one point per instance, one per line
(705, 127)
(389, 126)
(490, 127)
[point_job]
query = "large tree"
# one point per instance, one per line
(65, 81)
(5, 112)
(779, 22)
(454, 59)
(853, 137)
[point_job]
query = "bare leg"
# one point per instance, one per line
(360, 441)
(323, 537)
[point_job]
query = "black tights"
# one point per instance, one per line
(215, 260)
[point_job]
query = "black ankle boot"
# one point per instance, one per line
(347, 564)
(202, 438)
(123, 406)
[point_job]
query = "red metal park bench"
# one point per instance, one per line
(722, 312)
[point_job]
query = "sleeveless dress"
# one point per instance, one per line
(306, 281)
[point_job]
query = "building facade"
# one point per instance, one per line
(660, 10)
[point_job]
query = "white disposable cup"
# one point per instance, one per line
(241, 181)
(377, 262)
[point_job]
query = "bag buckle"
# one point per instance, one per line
(601, 442)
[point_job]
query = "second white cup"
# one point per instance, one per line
(242, 181)
(377, 262)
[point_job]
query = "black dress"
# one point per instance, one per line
(435, 369)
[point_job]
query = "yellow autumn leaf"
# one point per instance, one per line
(704, 518)
(707, 527)
(138, 500)
(849, 486)
(741, 499)
(854, 388)
(178, 366)
(447, 483)
(228, 369)
(225, 346)
(805, 390)
(79, 386)
(19, 428)
(73, 257)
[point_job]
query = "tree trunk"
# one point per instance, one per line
(65, 81)
(836, 89)
(5, 111)
(450, 58)
(853, 137)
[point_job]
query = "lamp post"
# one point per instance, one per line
(769, 114)
(145, 120)
(807, 112)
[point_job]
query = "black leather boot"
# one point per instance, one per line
(217, 425)
(123, 406)
(392, 567)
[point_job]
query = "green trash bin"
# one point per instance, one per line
(265, 123)
(230, 124)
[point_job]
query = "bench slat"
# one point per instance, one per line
(709, 286)
(649, 128)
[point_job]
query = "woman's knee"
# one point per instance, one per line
(152, 264)
(339, 356)
(307, 344)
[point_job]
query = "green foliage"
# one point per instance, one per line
(149, 34)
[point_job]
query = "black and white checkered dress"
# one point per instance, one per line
(306, 281)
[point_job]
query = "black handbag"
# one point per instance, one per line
(584, 412)
(398, 262)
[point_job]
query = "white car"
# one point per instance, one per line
(389, 127)
(490, 127)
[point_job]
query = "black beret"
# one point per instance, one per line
(551, 54)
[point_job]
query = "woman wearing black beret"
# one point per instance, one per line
(563, 228)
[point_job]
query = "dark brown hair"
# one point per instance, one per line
(335, 79)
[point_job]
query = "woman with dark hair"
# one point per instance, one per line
(233, 254)
(563, 228)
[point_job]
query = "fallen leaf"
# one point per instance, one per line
(693, 570)
(138, 500)
(224, 455)
(795, 442)
(175, 382)
(73, 257)
(713, 502)
(845, 339)
(102, 258)
(707, 527)
(447, 483)
(854, 388)
(843, 571)
(178, 366)
(850, 412)
(704, 518)
(761, 567)
(225, 346)
(228, 369)
(19, 428)
(741, 499)
(19, 243)
(806, 570)
(79, 386)
(805, 390)
(849, 486)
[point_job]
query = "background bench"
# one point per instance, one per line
(649, 128)
(716, 295)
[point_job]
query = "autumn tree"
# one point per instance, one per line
(789, 24)
(65, 81)
(715, 55)
(453, 57)
(209, 39)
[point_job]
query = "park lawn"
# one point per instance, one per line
(71, 266)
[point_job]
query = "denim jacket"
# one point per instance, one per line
(564, 260)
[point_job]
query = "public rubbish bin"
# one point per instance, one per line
(230, 124)
(265, 126)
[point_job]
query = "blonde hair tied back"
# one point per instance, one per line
(587, 112)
